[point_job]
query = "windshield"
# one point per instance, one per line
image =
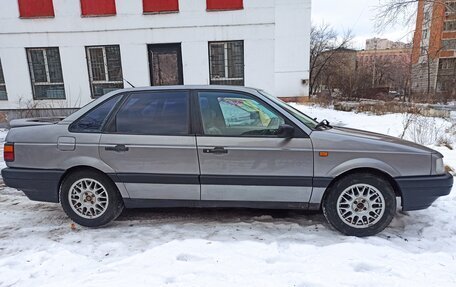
(305, 119)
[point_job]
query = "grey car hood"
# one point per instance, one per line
(378, 141)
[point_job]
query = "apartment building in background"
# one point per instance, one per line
(434, 48)
(62, 54)
(385, 44)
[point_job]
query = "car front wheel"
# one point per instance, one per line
(90, 198)
(360, 205)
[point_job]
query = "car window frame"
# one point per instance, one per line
(198, 120)
(107, 119)
(109, 123)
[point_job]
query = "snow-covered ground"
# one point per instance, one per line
(39, 246)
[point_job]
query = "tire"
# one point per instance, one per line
(95, 199)
(352, 205)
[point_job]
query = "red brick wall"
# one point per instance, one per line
(418, 33)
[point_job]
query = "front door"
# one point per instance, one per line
(242, 158)
(148, 144)
(165, 62)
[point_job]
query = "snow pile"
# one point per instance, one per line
(191, 247)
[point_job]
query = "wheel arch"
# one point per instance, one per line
(370, 170)
(76, 168)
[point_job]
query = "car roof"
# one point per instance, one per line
(94, 103)
(188, 87)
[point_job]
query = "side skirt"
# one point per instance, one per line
(159, 203)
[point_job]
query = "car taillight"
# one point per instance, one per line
(8, 152)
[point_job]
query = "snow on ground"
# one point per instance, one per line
(221, 247)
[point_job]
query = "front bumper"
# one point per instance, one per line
(37, 184)
(419, 192)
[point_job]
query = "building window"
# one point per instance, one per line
(105, 69)
(98, 7)
(425, 33)
(215, 5)
(449, 44)
(450, 25)
(46, 73)
(427, 16)
(226, 63)
(159, 6)
(447, 64)
(36, 8)
(450, 7)
(3, 95)
(423, 51)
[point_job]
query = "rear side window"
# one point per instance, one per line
(149, 113)
(93, 121)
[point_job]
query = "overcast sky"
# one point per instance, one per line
(357, 15)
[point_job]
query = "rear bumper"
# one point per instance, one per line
(419, 192)
(37, 184)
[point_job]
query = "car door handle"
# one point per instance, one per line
(216, 150)
(117, 148)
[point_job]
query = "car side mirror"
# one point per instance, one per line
(286, 131)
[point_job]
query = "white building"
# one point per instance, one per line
(61, 54)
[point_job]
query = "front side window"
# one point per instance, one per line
(303, 118)
(46, 73)
(105, 69)
(94, 120)
(226, 63)
(3, 95)
(231, 114)
(153, 113)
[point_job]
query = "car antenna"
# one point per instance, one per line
(129, 83)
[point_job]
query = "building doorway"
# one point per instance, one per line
(165, 62)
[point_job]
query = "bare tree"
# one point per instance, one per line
(324, 44)
(401, 12)
(392, 12)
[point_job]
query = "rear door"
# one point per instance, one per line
(242, 158)
(148, 144)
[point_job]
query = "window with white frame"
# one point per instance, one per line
(226, 63)
(425, 33)
(105, 69)
(3, 95)
(450, 7)
(423, 51)
(46, 73)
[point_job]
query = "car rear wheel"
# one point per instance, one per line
(360, 204)
(90, 198)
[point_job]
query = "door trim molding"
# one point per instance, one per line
(246, 180)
